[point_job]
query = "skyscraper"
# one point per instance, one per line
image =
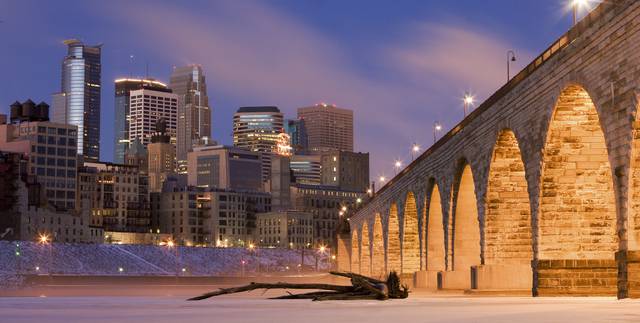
(258, 129)
(194, 114)
(162, 157)
(123, 88)
(298, 134)
(328, 127)
(78, 102)
(146, 108)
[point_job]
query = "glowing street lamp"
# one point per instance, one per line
(43, 239)
(468, 100)
(358, 200)
(382, 179)
(414, 150)
(576, 4)
(344, 209)
(397, 165)
(436, 128)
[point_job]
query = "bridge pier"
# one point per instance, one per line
(456, 279)
(427, 279)
(575, 277)
(628, 262)
(503, 277)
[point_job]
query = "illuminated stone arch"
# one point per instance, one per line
(355, 252)
(466, 228)
(507, 227)
(377, 252)
(393, 240)
(365, 251)
(410, 237)
(435, 241)
(577, 218)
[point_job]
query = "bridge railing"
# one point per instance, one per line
(557, 46)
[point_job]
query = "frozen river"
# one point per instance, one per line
(254, 308)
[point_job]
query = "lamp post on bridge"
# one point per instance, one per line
(436, 128)
(468, 100)
(511, 57)
(575, 4)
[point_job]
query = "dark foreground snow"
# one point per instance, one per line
(253, 308)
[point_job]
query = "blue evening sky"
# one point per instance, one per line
(400, 65)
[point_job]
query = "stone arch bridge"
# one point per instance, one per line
(538, 189)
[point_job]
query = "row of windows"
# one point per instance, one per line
(61, 141)
(50, 161)
(42, 150)
(58, 131)
(52, 172)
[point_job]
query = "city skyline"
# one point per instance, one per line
(409, 57)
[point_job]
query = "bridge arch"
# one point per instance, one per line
(355, 251)
(435, 241)
(393, 240)
(577, 207)
(410, 236)
(577, 221)
(507, 221)
(377, 252)
(365, 251)
(466, 227)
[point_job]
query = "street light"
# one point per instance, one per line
(344, 208)
(397, 165)
(414, 150)
(575, 4)
(436, 128)
(468, 100)
(511, 57)
(382, 179)
(43, 239)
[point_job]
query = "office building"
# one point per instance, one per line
(297, 131)
(346, 170)
(306, 169)
(285, 229)
(78, 102)
(118, 195)
(326, 204)
(123, 88)
(328, 127)
(26, 213)
(280, 183)
(224, 167)
(137, 155)
(146, 108)
(162, 157)
(50, 148)
(209, 217)
(258, 129)
(194, 113)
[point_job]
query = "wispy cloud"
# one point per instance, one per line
(258, 55)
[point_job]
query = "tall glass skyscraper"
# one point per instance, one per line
(78, 102)
(123, 88)
(258, 129)
(194, 113)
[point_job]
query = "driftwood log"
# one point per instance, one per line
(362, 287)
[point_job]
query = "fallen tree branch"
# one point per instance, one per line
(362, 287)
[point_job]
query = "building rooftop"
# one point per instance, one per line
(258, 109)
